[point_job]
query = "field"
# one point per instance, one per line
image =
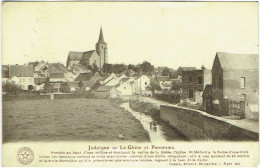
(69, 120)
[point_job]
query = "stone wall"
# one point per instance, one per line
(198, 125)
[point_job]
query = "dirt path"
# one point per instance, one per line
(69, 119)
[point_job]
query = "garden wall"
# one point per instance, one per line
(198, 125)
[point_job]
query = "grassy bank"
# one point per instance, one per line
(69, 120)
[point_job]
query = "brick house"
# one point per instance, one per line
(235, 79)
(193, 84)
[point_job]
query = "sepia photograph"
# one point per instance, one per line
(128, 72)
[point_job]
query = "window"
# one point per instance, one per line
(243, 82)
(190, 80)
(190, 93)
(243, 97)
(200, 79)
(23, 80)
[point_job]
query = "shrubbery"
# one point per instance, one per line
(172, 97)
(11, 88)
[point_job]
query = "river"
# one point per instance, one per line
(160, 133)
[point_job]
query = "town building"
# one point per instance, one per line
(97, 57)
(141, 85)
(235, 84)
(21, 75)
(193, 84)
(164, 82)
(126, 86)
(106, 92)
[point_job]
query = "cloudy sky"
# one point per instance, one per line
(166, 34)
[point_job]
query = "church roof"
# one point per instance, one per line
(75, 55)
(101, 37)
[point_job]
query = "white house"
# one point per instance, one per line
(22, 75)
(108, 78)
(141, 84)
(57, 77)
(164, 82)
(126, 86)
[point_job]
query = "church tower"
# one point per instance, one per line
(101, 48)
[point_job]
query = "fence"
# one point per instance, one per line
(237, 108)
(46, 96)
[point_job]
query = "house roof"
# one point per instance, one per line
(238, 61)
(83, 77)
(73, 84)
(207, 93)
(124, 79)
(56, 75)
(5, 71)
(80, 67)
(57, 68)
(163, 78)
(187, 68)
(104, 88)
(88, 83)
(56, 85)
(21, 70)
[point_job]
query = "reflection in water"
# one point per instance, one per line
(154, 130)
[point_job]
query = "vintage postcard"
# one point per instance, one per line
(130, 84)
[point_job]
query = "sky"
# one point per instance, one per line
(169, 34)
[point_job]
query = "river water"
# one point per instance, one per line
(161, 133)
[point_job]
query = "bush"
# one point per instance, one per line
(169, 97)
(11, 88)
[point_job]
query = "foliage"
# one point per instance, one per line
(176, 85)
(172, 97)
(147, 68)
(108, 68)
(47, 87)
(94, 68)
(166, 72)
(203, 67)
(154, 85)
(64, 87)
(80, 84)
(11, 88)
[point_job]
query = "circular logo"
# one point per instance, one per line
(25, 155)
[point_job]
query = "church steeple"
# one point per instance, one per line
(101, 48)
(101, 37)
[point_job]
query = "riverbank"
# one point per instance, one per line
(151, 109)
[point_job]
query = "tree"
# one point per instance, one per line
(203, 67)
(176, 85)
(154, 85)
(64, 87)
(80, 84)
(118, 68)
(108, 68)
(166, 72)
(47, 87)
(147, 68)
(11, 88)
(94, 68)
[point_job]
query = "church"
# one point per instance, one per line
(96, 57)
